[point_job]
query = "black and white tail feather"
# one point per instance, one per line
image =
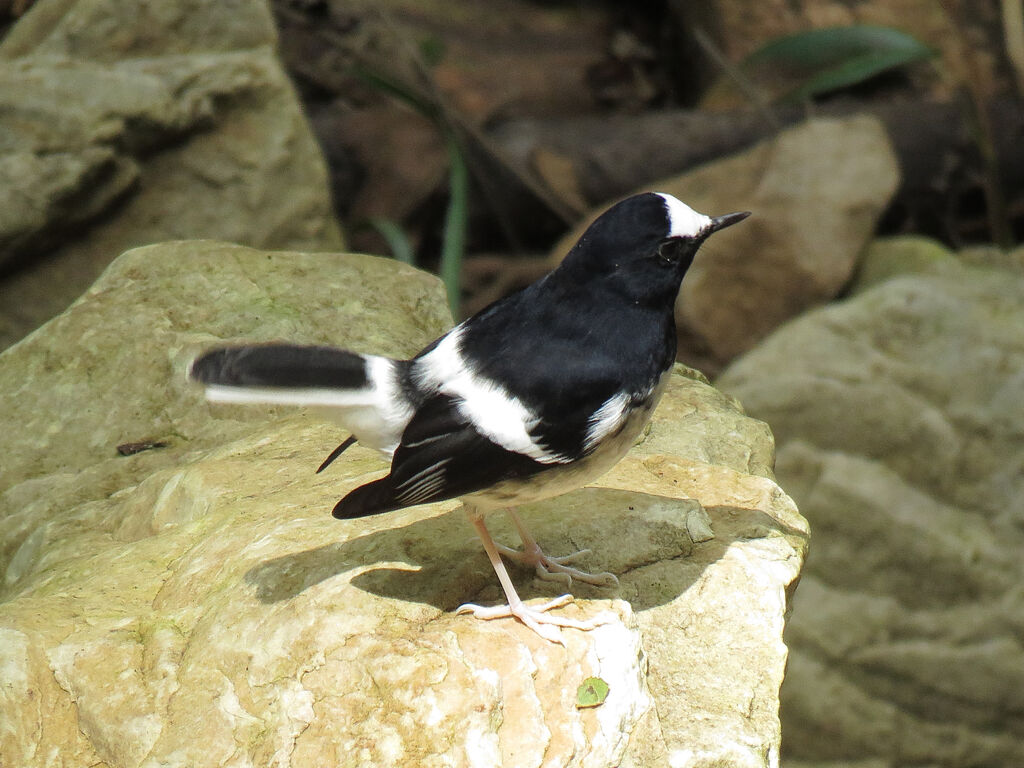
(362, 392)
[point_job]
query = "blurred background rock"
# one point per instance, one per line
(872, 310)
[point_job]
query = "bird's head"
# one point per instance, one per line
(643, 246)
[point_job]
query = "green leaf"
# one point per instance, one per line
(824, 60)
(591, 693)
(456, 217)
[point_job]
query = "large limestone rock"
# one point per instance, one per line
(127, 124)
(197, 605)
(900, 420)
(816, 191)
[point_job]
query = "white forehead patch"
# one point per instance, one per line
(683, 221)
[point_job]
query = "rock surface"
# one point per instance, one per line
(816, 191)
(890, 257)
(66, 406)
(901, 430)
(126, 125)
(197, 605)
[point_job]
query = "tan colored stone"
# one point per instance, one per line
(889, 257)
(126, 126)
(901, 434)
(205, 608)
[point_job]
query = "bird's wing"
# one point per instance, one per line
(442, 456)
(544, 396)
(578, 363)
(578, 401)
(578, 405)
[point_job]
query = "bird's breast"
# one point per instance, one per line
(562, 478)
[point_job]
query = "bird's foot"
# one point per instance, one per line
(535, 617)
(551, 568)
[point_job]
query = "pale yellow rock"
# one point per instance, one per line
(204, 608)
(890, 257)
(126, 125)
(111, 369)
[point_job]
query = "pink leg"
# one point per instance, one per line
(535, 618)
(551, 568)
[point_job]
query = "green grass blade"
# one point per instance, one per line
(455, 222)
(394, 87)
(398, 242)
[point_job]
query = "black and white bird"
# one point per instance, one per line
(536, 395)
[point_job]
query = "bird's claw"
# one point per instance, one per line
(550, 568)
(536, 617)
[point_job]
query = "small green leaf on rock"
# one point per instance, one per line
(591, 693)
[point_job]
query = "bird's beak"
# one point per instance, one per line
(721, 222)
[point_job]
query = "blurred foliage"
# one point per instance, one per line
(456, 217)
(1013, 36)
(432, 49)
(820, 61)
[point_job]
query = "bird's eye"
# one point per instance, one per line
(670, 250)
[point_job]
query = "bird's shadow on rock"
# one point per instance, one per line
(643, 539)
